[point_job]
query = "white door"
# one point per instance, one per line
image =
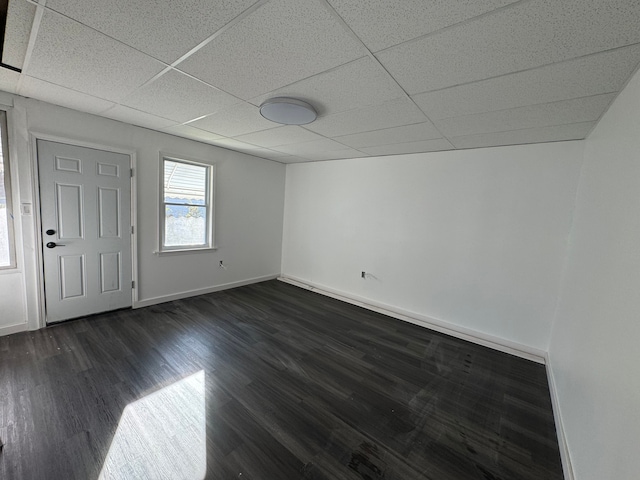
(85, 206)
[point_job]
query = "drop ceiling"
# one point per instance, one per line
(386, 77)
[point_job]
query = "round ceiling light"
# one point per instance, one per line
(288, 111)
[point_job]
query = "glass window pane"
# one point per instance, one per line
(185, 226)
(5, 257)
(184, 183)
(186, 202)
(6, 240)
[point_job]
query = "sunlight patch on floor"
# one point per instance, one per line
(162, 435)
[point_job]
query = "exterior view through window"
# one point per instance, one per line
(7, 257)
(187, 200)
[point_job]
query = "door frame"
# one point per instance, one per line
(34, 136)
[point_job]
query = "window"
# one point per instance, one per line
(186, 205)
(7, 252)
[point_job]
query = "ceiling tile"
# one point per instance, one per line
(165, 30)
(286, 159)
(179, 97)
(599, 73)
(234, 121)
(192, 133)
(69, 54)
(276, 154)
(485, 72)
(437, 145)
(238, 146)
(404, 134)
(279, 157)
(19, 21)
(260, 152)
(584, 109)
(302, 149)
(280, 136)
(527, 35)
(136, 117)
(394, 113)
(573, 131)
(383, 23)
(48, 92)
(355, 85)
(335, 155)
(281, 43)
(302, 160)
(256, 152)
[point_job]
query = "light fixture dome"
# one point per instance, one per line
(288, 111)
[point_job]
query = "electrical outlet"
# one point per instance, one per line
(364, 275)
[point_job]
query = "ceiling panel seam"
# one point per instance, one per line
(249, 11)
(235, 137)
(26, 76)
(174, 65)
(329, 70)
(42, 7)
(517, 102)
(518, 144)
(187, 123)
(515, 72)
(453, 137)
(141, 111)
(168, 69)
(348, 29)
(336, 139)
(615, 92)
(459, 24)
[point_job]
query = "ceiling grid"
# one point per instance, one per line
(385, 77)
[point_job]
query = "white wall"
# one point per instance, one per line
(595, 343)
(474, 238)
(249, 209)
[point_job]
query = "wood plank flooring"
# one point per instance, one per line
(297, 386)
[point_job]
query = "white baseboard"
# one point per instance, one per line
(557, 416)
(21, 327)
(201, 291)
(441, 326)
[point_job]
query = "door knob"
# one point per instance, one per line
(50, 232)
(54, 245)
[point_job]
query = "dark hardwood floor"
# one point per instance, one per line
(298, 386)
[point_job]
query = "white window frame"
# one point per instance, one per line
(8, 191)
(209, 204)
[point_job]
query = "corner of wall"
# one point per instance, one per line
(567, 252)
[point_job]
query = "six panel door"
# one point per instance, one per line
(85, 206)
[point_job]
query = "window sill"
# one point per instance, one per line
(162, 253)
